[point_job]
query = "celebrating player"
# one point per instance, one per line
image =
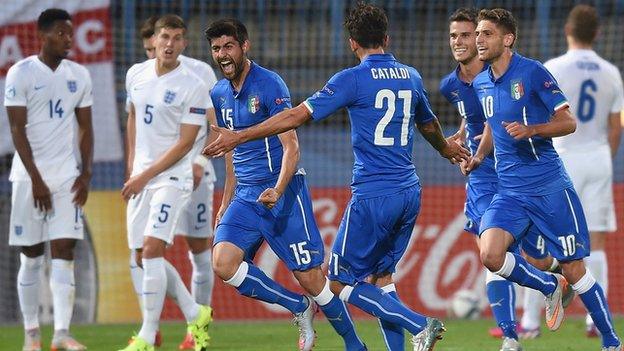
(195, 222)
(594, 87)
(384, 99)
(45, 95)
(525, 108)
(271, 201)
(168, 105)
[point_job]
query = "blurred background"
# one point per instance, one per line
(305, 43)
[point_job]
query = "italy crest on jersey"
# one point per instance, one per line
(71, 85)
(517, 89)
(253, 104)
(169, 96)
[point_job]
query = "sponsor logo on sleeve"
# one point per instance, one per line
(198, 110)
(281, 100)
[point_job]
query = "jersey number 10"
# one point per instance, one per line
(386, 94)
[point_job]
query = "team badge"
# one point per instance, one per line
(10, 92)
(169, 96)
(72, 86)
(253, 104)
(517, 89)
(18, 230)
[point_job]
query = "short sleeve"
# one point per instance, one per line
(277, 97)
(618, 100)
(197, 105)
(129, 76)
(422, 108)
(87, 95)
(546, 88)
(214, 97)
(16, 88)
(339, 92)
(444, 89)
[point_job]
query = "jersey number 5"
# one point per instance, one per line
(386, 94)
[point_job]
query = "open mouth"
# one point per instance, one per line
(168, 51)
(459, 51)
(227, 66)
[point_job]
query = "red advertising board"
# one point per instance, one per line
(440, 260)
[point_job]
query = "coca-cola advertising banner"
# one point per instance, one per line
(92, 47)
(440, 260)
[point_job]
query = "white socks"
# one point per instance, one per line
(136, 273)
(532, 305)
(202, 280)
(325, 296)
(596, 263)
(28, 278)
(154, 289)
(177, 291)
(63, 291)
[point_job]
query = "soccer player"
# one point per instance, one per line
(384, 99)
(594, 87)
(46, 94)
(525, 108)
(271, 201)
(195, 222)
(168, 105)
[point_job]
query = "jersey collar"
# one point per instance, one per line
(486, 66)
(379, 57)
(252, 66)
(515, 58)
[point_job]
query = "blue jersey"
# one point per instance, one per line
(526, 93)
(263, 95)
(384, 98)
(463, 97)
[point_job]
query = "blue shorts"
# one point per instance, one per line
(373, 235)
(478, 199)
(289, 227)
(558, 217)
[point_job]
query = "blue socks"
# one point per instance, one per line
(392, 333)
(518, 270)
(502, 298)
(594, 300)
(250, 281)
(374, 301)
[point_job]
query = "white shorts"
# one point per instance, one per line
(592, 175)
(30, 226)
(154, 212)
(196, 218)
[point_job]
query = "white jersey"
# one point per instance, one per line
(162, 104)
(50, 98)
(206, 74)
(594, 88)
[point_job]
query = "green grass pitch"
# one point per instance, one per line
(281, 335)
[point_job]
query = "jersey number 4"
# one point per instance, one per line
(389, 96)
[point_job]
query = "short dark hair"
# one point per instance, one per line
(583, 22)
(230, 27)
(367, 25)
(503, 19)
(147, 27)
(169, 21)
(48, 17)
(464, 14)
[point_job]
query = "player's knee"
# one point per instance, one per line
(197, 245)
(33, 251)
(311, 280)
(224, 267)
(492, 260)
(543, 264)
(573, 271)
(63, 249)
(153, 248)
(336, 287)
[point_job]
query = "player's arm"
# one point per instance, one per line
(615, 131)
(432, 132)
(184, 144)
(290, 159)
(562, 123)
(485, 148)
(17, 120)
(130, 140)
(200, 162)
(85, 144)
(286, 120)
(460, 134)
(228, 187)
